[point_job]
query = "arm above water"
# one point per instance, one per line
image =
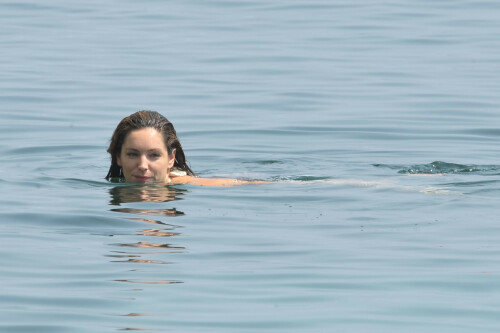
(227, 182)
(224, 182)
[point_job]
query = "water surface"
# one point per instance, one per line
(377, 124)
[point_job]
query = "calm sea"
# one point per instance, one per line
(378, 123)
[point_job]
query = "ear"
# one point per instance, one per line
(118, 161)
(171, 159)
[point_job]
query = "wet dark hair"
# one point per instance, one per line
(146, 119)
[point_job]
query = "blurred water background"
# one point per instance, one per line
(378, 121)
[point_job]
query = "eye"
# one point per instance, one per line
(130, 154)
(155, 155)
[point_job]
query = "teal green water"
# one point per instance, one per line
(377, 124)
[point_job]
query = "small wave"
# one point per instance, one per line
(439, 167)
(265, 162)
(86, 182)
(299, 178)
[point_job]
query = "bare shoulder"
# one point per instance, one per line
(212, 181)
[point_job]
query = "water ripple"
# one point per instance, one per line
(440, 167)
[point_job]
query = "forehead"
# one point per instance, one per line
(144, 139)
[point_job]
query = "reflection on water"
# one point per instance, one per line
(147, 220)
(158, 233)
(155, 212)
(150, 282)
(133, 259)
(138, 240)
(143, 245)
(143, 193)
(143, 261)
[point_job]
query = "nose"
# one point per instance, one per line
(143, 163)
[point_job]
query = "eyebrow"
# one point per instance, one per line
(149, 150)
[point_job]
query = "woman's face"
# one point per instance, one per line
(144, 157)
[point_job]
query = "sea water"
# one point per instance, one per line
(376, 124)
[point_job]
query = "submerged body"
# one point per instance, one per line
(145, 149)
(210, 181)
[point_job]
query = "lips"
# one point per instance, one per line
(141, 178)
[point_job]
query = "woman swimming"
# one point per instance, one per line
(145, 148)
